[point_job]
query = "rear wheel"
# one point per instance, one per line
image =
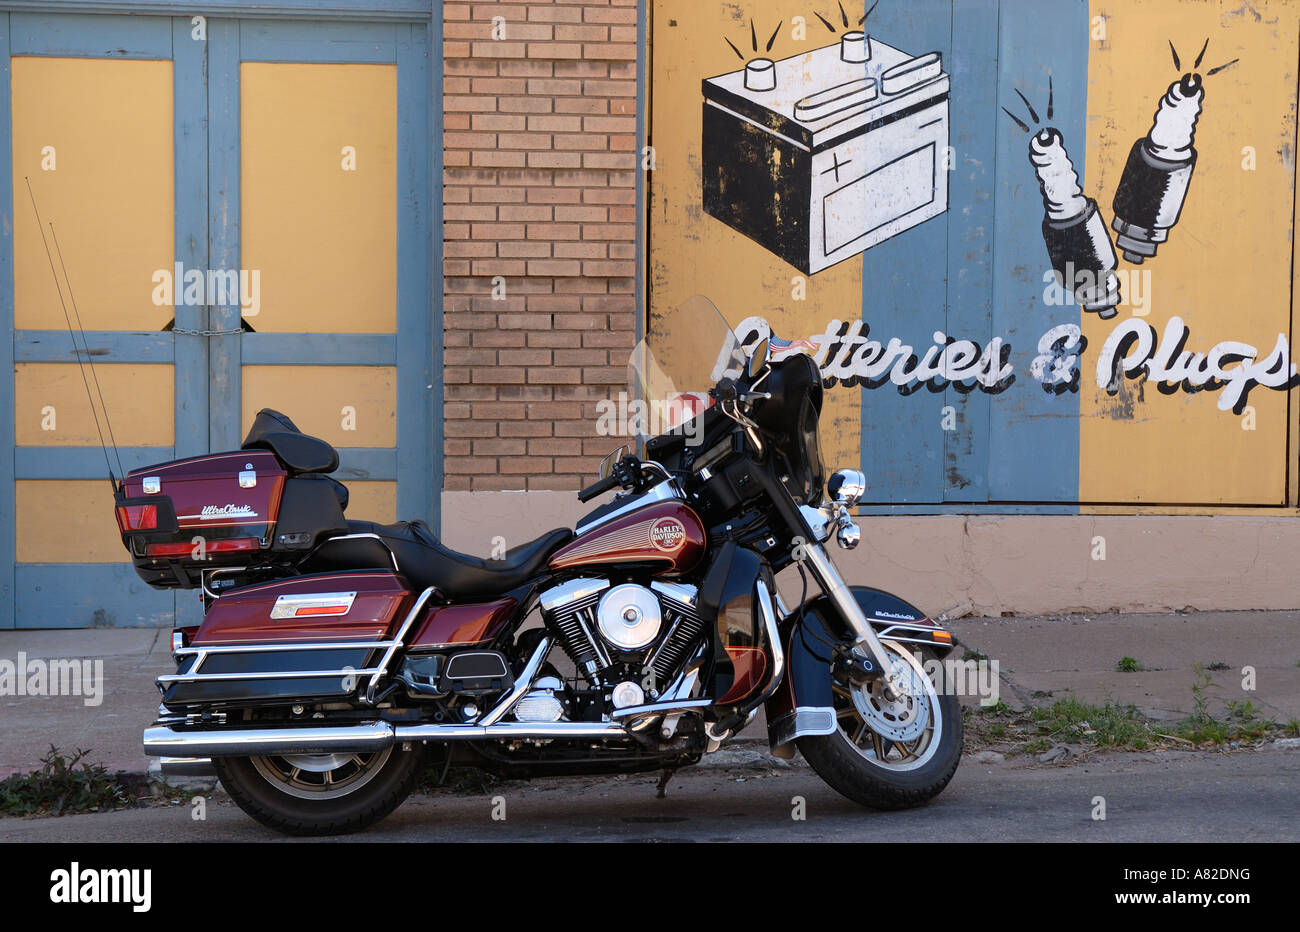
(890, 754)
(321, 794)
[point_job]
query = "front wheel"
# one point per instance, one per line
(321, 794)
(890, 755)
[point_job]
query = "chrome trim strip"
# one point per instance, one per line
(523, 683)
(169, 678)
(805, 720)
(904, 626)
(280, 646)
(398, 639)
(665, 491)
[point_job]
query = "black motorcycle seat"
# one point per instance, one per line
(425, 562)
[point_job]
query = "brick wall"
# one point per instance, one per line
(539, 188)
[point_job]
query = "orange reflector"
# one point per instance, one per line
(322, 610)
(943, 636)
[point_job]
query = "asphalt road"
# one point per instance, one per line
(743, 795)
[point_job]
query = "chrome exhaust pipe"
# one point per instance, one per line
(510, 731)
(185, 767)
(166, 741)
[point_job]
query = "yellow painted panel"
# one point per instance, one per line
(66, 521)
(372, 501)
(51, 407)
(741, 277)
(322, 237)
(95, 138)
(349, 406)
(1226, 267)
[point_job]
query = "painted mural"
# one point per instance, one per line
(980, 220)
(825, 153)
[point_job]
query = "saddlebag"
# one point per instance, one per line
(258, 645)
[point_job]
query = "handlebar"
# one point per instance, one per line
(599, 488)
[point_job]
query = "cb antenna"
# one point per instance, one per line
(84, 349)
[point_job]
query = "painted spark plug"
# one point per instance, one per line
(1078, 243)
(1154, 184)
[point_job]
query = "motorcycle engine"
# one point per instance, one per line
(630, 638)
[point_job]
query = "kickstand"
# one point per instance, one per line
(663, 782)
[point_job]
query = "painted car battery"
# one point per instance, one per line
(845, 150)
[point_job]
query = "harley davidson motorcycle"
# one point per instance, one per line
(336, 657)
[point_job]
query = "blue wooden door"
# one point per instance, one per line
(165, 150)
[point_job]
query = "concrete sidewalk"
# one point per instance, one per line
(1078, 654)
(1036, 656)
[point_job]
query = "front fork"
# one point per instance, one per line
(820, 524)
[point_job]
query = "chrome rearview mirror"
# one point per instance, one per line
(847, 486)
(758, 358)
(607, 464)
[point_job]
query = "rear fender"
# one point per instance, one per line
(803, 705)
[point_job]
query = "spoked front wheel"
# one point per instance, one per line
(890, 754)
(321, 794)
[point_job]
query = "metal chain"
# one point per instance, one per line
(207, 333)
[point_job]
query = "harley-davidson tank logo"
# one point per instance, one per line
(668, 534)
(213, 512)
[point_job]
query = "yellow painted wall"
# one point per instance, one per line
(51, 407)
(323, 238)
(315, 398)
(110, 195)
(372, 501)
(1226, 268)
(66, 521)
(740, 277)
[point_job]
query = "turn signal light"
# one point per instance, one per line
(321, 610)
(137, 517)
(234, 545)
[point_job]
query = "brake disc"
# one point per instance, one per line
(903, 719)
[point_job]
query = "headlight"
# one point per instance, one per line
(847, 487)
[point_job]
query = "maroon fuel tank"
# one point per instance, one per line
(668, 535)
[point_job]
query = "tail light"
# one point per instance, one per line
(233, 545)
(137, 517)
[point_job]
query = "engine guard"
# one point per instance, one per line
(802, 704)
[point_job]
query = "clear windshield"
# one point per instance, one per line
(671, 371)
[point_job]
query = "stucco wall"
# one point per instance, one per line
(988, 565)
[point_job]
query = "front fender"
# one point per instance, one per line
(802, 704)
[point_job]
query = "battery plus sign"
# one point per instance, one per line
(837, 166)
